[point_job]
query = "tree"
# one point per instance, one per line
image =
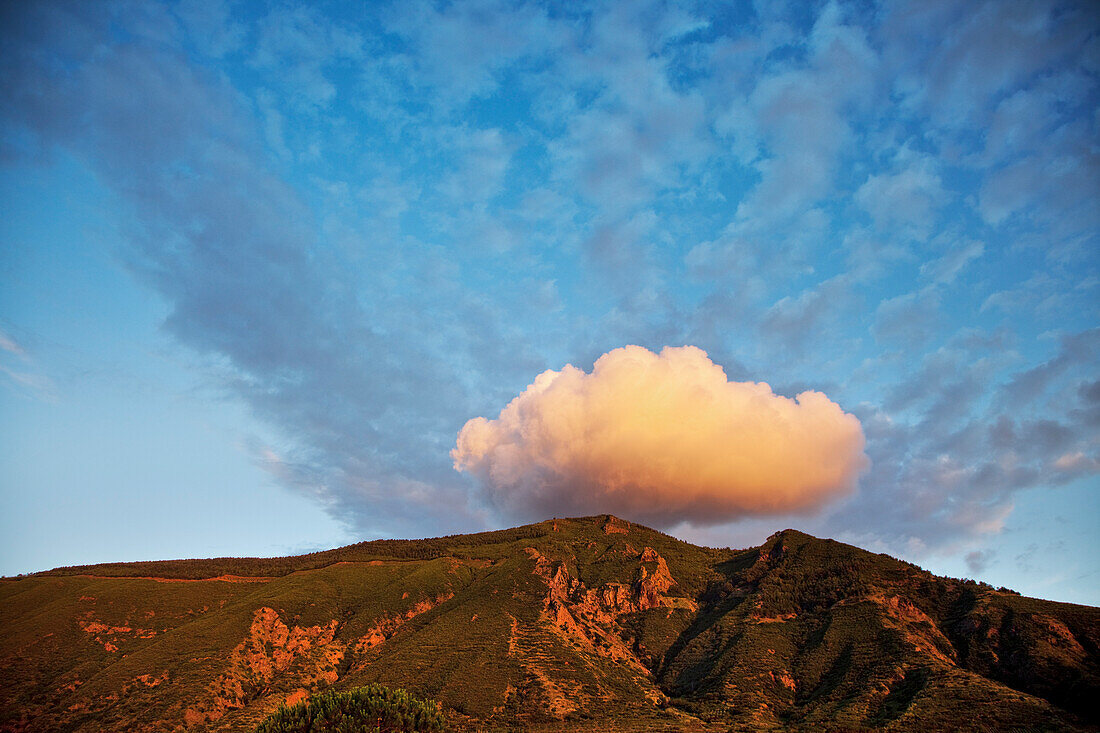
(371, 709)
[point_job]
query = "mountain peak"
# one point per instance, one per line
(791, 533)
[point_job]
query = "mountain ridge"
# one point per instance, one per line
(591, 623)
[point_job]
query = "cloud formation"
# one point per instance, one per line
(661, 438)
(369, 230)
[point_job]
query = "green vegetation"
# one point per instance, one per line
(370, 709)
(543, 627)
(274, 567)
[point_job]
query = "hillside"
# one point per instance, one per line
(576, 624)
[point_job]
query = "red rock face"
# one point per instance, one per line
(389, 625)
(271, 648)
(589, 616)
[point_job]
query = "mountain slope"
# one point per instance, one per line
(591, 623)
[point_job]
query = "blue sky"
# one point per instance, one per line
(260, 263)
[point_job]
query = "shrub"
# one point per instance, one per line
(370, 709)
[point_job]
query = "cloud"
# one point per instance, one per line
(794, 320)
(959, 254)
(445, 57)
(798, 118)
(1076, 349)
(1077, 463)
(978, 560)
(211, 28)
(36, 385)
(11, 346)
(909, 318)
(284, 323)
(905, 201)
(298, 44)
(953, 59)
(373, 227)
(661, 438)
(954, 443)
(24, 378)
(1059, 185)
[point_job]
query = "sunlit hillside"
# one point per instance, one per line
(575, 624)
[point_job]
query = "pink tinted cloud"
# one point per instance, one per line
(661, 438)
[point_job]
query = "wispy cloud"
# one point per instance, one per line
(37, 385)
(9, 345)
(22, 372)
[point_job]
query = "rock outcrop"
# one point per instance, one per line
(270, 649)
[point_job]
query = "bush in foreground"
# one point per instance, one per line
(370, 709)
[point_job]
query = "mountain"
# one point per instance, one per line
(571, 624)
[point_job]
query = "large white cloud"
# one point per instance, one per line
(661, 438)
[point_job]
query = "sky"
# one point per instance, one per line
(279, 277)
